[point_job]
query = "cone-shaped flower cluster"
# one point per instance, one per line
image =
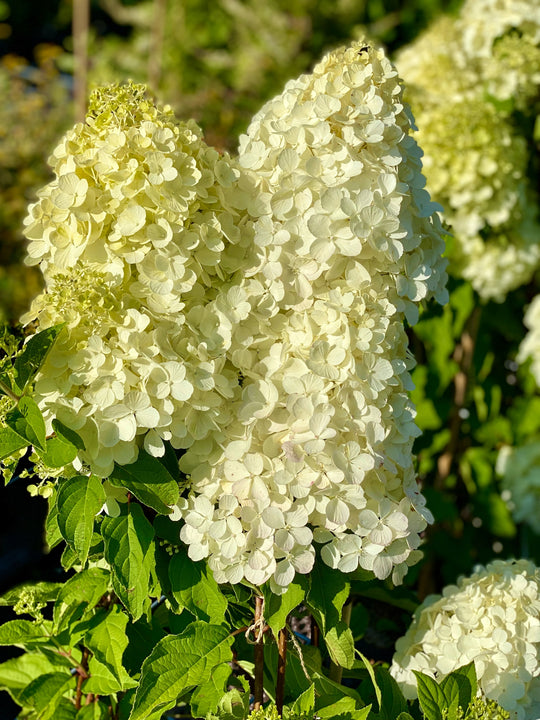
(263, 332)
(474, 85)
(491, 618)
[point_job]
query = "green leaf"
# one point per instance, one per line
(10, 442)
(67, 434)
(108, 641)
(371, 672)
(21, 632)
(149, 481)
(392, 698)
(331, 691)
(469, 673)
(78, 501)
(431, 697)
(27, 421)
(33, 355)
(305, 703)
(205, 698)
(142, 637)
(346, 708)
(129, 550)
(81, 592)
(278, 607)
(455, 689)
(340, 644)
(94, 711)
(193, 587)
(41, 592)
(404, 716)
(179, 663)
(58, 452)
(17, 673)
(53, 536)
(44, 693)
(328, 593)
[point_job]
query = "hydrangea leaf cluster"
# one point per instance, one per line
(132, 236)
(520, 470)
(474, 85)
(251, 312)
(491, 618)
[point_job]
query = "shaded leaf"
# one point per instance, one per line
(149, 481)
(78, 501)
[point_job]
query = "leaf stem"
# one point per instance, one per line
(258, 685)
(282, 662)
(9, 392)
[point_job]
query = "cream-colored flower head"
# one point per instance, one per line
(491, 618)
(464, 79)
(131, 235)
(347, 244)
(520, 470)
(530, 345)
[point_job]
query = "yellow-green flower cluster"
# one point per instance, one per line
(480, 708)
(471, 82)
(251, 312)
(491, 618)
(520, 470)
(131, 236)
(347, 244)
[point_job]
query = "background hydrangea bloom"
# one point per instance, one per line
(491, 618)
(466, 80)
(131, 236)
(347, 244)
(520, 470)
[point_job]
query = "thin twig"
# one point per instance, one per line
(258, 684)
(282, 662)
(82, 673)
(9, 392)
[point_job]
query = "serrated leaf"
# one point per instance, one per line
(17, 673)
(142, 637)
(81, 592)
(205, 698)
(346, 708)
(78, 501)
(10, 442)
(371, 673)
(34, 354)
(278, 607)
(305, 703)
(107, 640)
(392, 698)
(149, 481)
(21, 632)
(53, 536)
(179, 663)
(44, 693)
(63, 431)
(431, 697)
(328, 691)
(58, 452)
(129, 550)
(340, 644)
(454, 688)
(194, 588)
(93, 711)
(328, 593)
(41, 591)
(27, 421)
(469, 673)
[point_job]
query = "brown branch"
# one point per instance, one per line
(315, 633)
(81, 23)
(258, 685)
(463, 355)
(282, 662)
(155, 57)
(82, 675)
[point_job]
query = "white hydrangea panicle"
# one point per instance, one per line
(530, 345)
(132, 236)
(464, 77)
(347, 244)
(491, 618)
(520, 471)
